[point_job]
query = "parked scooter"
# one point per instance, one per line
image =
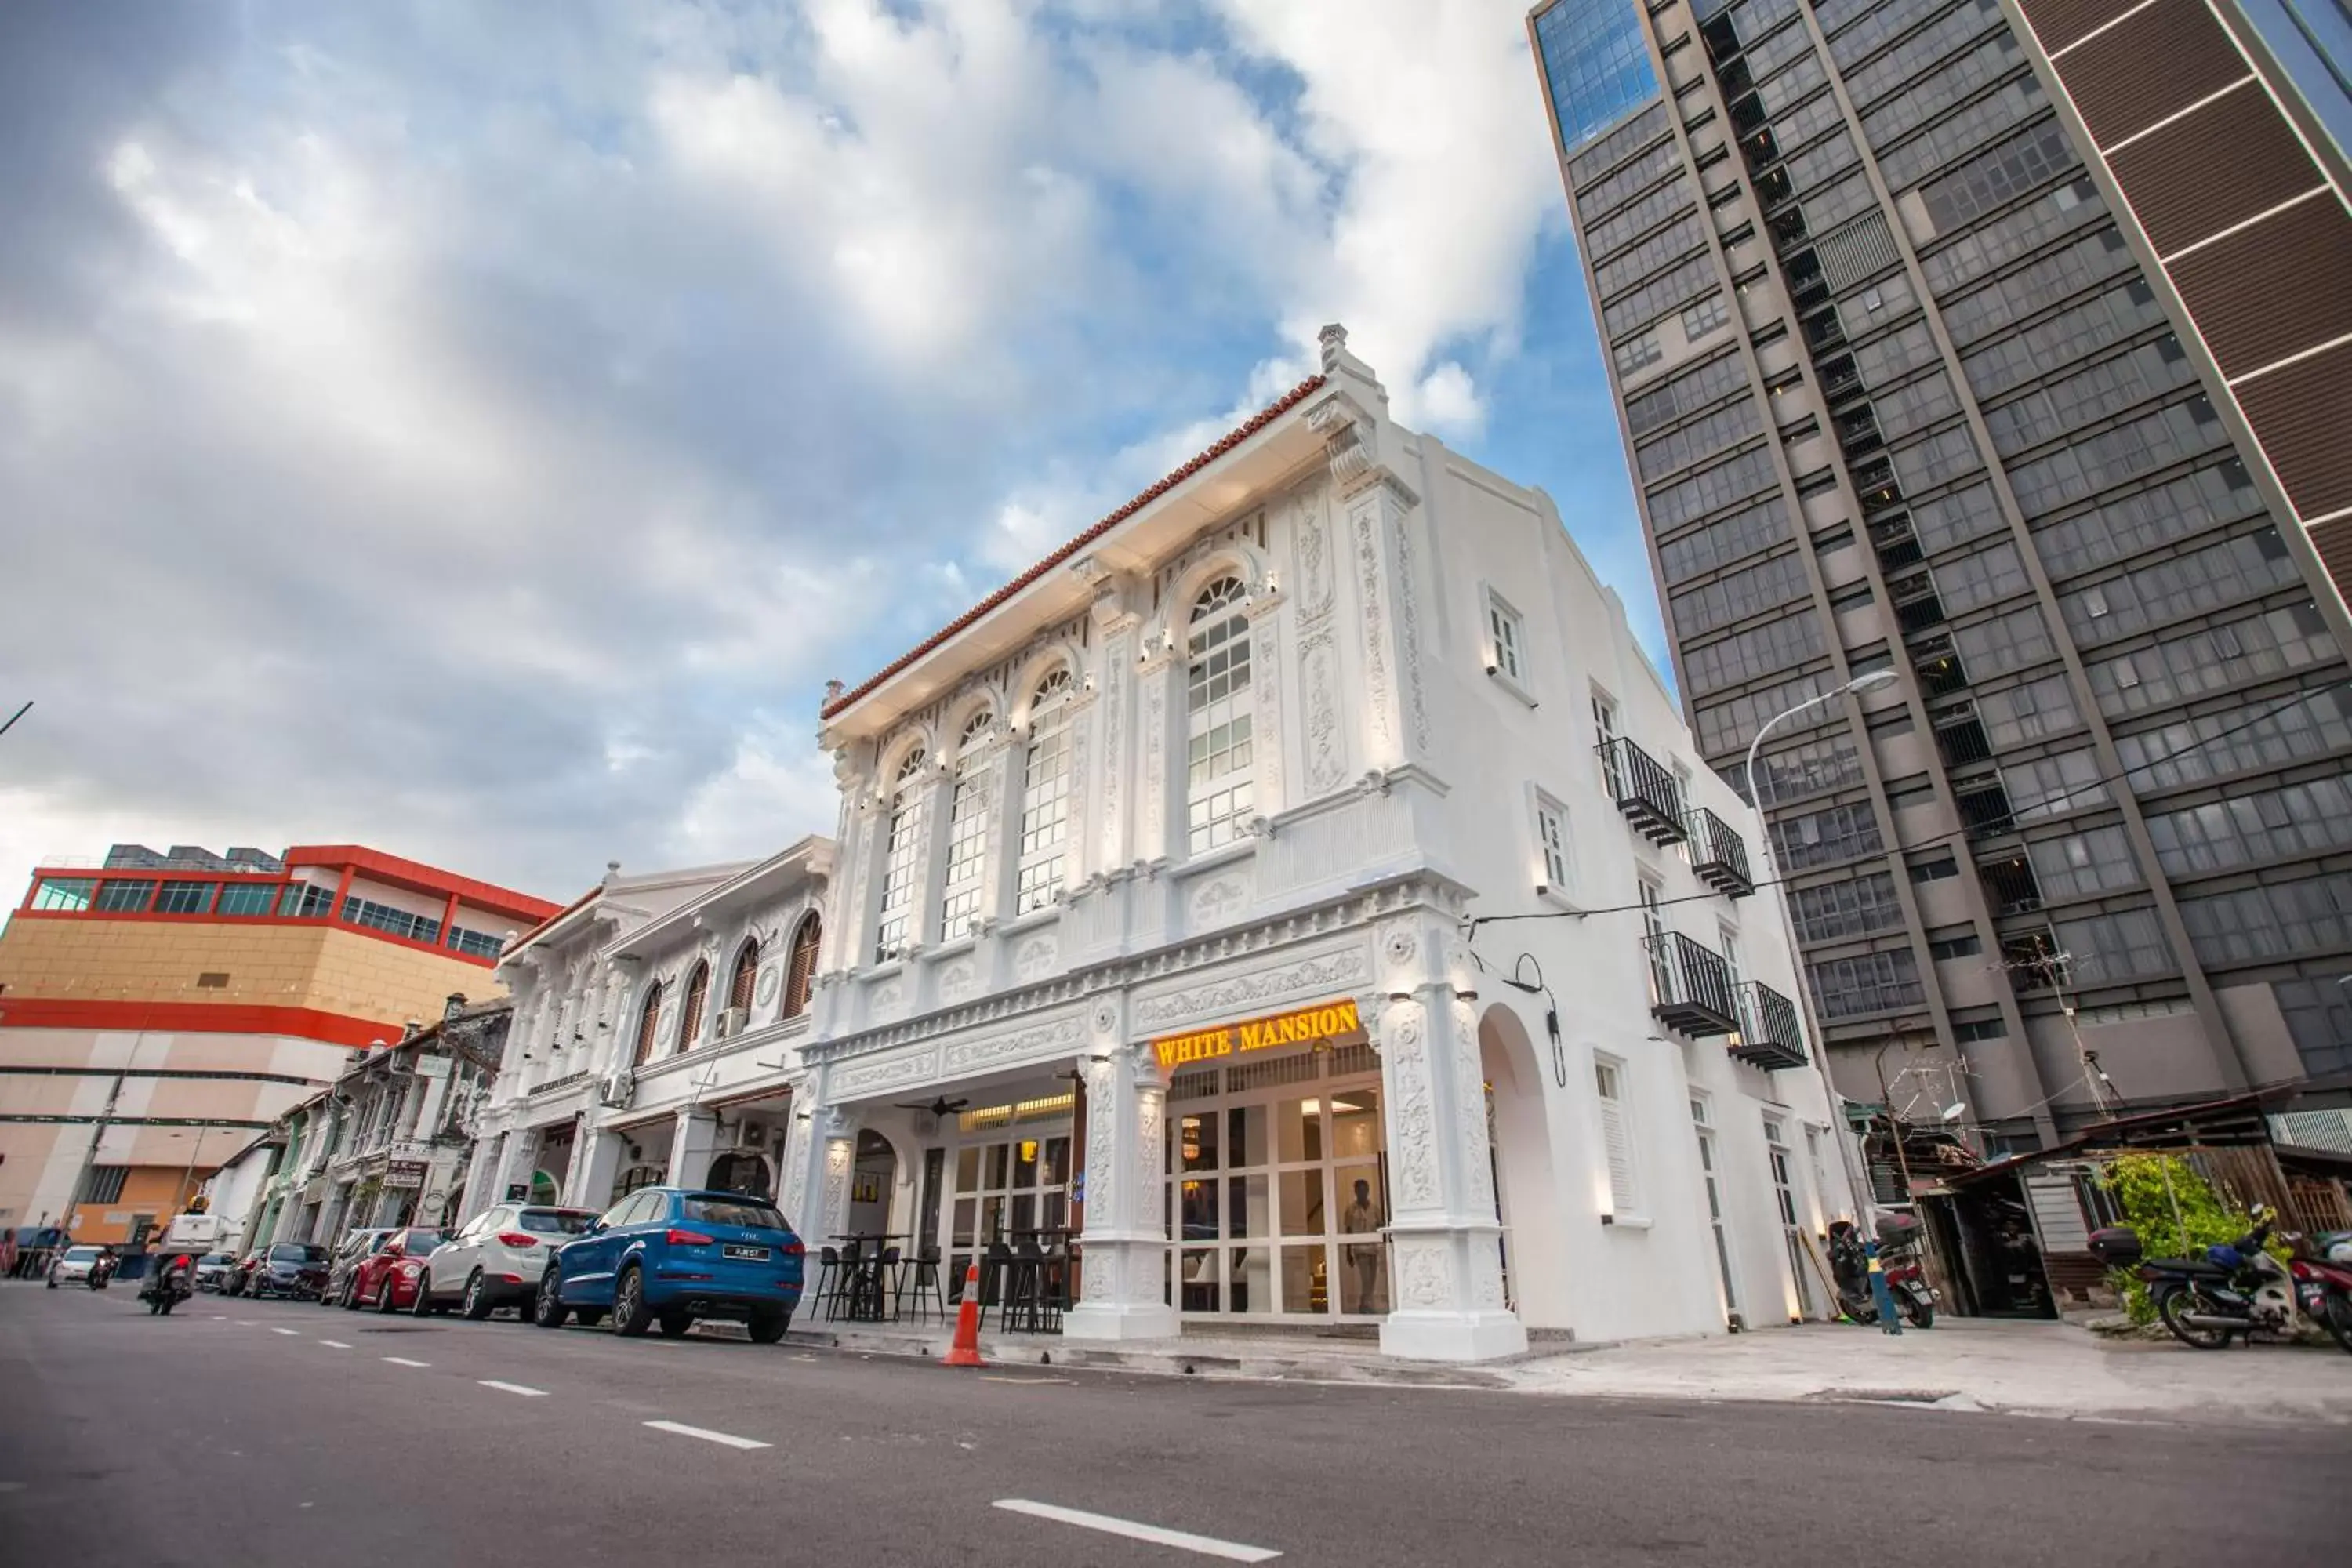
(1898, 1262)
(2236, 1288)
(2322, 1268)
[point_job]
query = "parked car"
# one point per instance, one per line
(355, 1249)
(213, 1270)
(73, 1265)
(669, 1255)
(495, 1259)
(294, 1269)
(241, 1273)
(387, 1278)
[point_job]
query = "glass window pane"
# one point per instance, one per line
(1302, 1203)
(1304, 1281)
(1356, 1124)
(1200, 1273)
(1300, 1124)
(1199, 1202)
(1055, 1170)
(1249, 1280)
(1197, 1138)
(1024, 1162)
(1000, 1159)
(967, 1215)
(1246, 1206)
(1245, 1136)
(967, 1170)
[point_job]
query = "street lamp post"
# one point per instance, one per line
(1877, 680)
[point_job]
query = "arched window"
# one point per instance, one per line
(746, 976)
(967, 836)
(902, 865)
(698, 992)
(800, 972)
(1218, 704)
(1045, 794)
(649, 1024)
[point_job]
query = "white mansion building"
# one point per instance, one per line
(1295, 895)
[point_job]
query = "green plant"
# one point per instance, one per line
(2152, 1190)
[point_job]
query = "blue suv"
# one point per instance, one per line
(670, 1254)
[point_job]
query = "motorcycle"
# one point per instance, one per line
(101, 1273)
(2236, 1288)
(165, 1291)
(2322, 1270)
(1898, 1260)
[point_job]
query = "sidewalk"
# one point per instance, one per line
(2045, 1369)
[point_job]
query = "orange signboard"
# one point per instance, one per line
(1308, 1025)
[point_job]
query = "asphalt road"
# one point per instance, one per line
(255, 1435)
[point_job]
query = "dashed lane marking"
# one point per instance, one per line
(335, 1345)
(403, 1361)
(1183, 1540)
(727, 1438)
(289, 1333)
(512, 1388)
(989, 1377)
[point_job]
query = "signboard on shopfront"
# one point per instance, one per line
(405, 1173)
(1305, 1026)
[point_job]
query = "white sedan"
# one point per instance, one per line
(73, 1265)
(496, 1260)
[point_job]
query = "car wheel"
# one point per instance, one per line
(423, 1306)
(631, 1316)
(384, 1295)
(675, 1324)
(767, 1328)
(477, 1304)
(548, 1309)
(352, 1294)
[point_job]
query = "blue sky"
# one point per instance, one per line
(480, 431)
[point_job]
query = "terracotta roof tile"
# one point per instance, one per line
(1230, 440)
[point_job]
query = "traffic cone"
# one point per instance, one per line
(965, 1351)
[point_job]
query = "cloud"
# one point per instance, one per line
(481, 432)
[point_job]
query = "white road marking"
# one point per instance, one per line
(707, 1434)
(289, 1333)
(249, 1322)
(335, 1345)
(1207, 1546)
(403, 1361)
(988, 1378)
(512, 1388)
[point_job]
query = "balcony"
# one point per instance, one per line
(1770, 1036)
(1718, 854)
(1644, 790)
(1691, 990)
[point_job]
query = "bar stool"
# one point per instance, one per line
(828, 1279)
(888, 1275)
(921, 1278)
(1028, 1288)
(995, 1280)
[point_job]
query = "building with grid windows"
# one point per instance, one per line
(2004, 348)
(1233, 922)
(158, 1012)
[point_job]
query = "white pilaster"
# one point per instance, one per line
(1123, 1281)
(1446, 1287)
(690, 1148)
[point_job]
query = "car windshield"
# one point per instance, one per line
(734, 1211)
(217, 1257)
(417, 1243)
(82, 1254)
(294, 1254)
(557, 1222)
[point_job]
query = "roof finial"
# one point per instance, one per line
(611, 870)
(1334, 339)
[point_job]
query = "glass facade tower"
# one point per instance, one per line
(1918, 368)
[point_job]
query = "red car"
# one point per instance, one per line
(386, 1278)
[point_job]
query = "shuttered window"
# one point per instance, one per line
(747, 977)
(801, 972)
(698, 992)
(648, 1025)
(1616, 1139)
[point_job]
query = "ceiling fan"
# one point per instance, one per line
(941, 1107)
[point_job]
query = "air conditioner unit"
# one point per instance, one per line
(752, 1135)
(617, 1087)
(731, 1022)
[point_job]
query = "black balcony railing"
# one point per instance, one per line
(1647, 791)
(1691, 991)
(1718, 854)
(1769, 1034)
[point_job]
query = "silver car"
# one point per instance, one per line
(496, 1258)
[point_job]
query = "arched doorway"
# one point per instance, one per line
(545, 1188)
(741, 1171)
(1527, 1192)
(871, 1180)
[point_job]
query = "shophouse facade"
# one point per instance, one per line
(158, 1010)
(654, 1021)
(1301, 889)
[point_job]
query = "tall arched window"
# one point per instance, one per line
(800, 972)
(698, 992)
(649, 1024)
(967, 834)
(745, 977)
(1219, 706)
(1045, 794)
(902, 865)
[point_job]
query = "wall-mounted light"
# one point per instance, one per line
(1607, 1218)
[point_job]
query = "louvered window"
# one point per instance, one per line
(746, 978)
(800, 973)
(697, 994)
(1616, 1139)
(648, 1025)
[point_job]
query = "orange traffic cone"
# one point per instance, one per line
(965, 1351)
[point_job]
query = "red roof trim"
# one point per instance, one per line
(1230, 440)
(418, 877)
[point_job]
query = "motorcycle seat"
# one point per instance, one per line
(2189, 1266)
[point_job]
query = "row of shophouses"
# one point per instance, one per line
(1299, 893)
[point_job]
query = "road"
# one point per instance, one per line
(266, 1433)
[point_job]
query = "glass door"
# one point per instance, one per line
(1004, 1187)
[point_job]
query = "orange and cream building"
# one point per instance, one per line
(158, 1011)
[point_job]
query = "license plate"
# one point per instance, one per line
(755, 1254)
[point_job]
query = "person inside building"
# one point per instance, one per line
(1361, 1219)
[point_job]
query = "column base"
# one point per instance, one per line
(1453, 1336)
(1120, 1320)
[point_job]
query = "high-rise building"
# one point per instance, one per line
(158, 1010)
(2006, 350)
